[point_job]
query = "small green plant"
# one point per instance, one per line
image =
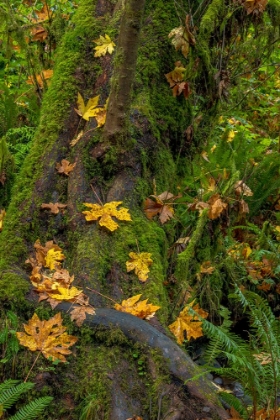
(10, 392)
(8, 341)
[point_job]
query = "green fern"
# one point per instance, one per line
(33, 409)
(11, 390)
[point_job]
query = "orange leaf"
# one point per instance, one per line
(217, 206)
(161, 206)
(49, 337)
(64, 167)
(78, 314)
(54, 207)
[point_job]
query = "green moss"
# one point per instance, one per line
(13, 289)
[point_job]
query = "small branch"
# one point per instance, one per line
(30, 370)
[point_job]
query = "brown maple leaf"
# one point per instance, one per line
(217, 206)
(78, 314)
(41, 251)
(64, 167)
(54, 208)
(49, 337)
(161, 205)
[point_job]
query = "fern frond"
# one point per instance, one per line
(11, 395)
(8, 384)
(33, 409)
(234, 402)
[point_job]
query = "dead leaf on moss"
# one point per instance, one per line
(48, 337)
(64, 167)
(161, 205)
(140, 263)
(54, 208)
(105, 214)
(241, 188)
(44, 75)
(104, 45)
(76, 139)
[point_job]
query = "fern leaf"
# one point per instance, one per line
(11, 395)
(33, 409)
(8, 384)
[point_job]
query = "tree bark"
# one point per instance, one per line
(116, 163)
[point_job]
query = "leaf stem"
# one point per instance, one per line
(30, 370)
(96, 195)
(98, 293)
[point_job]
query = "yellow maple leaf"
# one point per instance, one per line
(53, 258)
(48, 337)
(140, 263)
(91, 109)
(65, 293)
(104, 45)
(187, 322)
(140, 309)
(2, 215)
(105, 213)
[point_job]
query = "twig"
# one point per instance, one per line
(30, 370)
(98, 293)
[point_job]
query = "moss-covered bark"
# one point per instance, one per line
(105, 367)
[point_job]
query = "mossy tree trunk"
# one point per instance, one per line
(116, 163)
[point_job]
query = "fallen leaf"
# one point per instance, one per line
(91, 109)
(180, 40)
(140, 309)
(187, 322)
(105, 214)
(101, 117)
(2, 215)
(54, 207)
(160, 206)
(53, 259)
(63, 293)
(217, 206)
(48, 337)
(243, 207)
(176, 81)
(78, 314)
(39, 33)
(104, 45)
(41, 251)
(206, 268)
(140, 263)
(64, 167)
(255, 6)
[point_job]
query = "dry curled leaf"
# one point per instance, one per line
(40, 78)
(140, 263)
(140, 309)
(176, 80)
(78, 314)
(48, 337)
(188, 323)
(217, 206)
(76, 139)
(64, 167)
(54, 208)
(105, 214)
(104, 45)
(161, 205)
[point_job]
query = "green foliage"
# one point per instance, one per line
(255, 363)
(8, 340)
(10, 392)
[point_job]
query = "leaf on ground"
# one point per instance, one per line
(54, 208)
(104, 45)
(161, 205)
(62, 276)
(64, 167)
(53, 259)
(255, 6)
(188, 323)
(140, 309)
(101, 117)
(105, 214)
(140, 263)
(90, 109)
(41, 251)
(78, 314)
(217, 206)
(176, 80)
(48, 337)
(206, 268)
(2, 215)
(180, 40)
(63, 293)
